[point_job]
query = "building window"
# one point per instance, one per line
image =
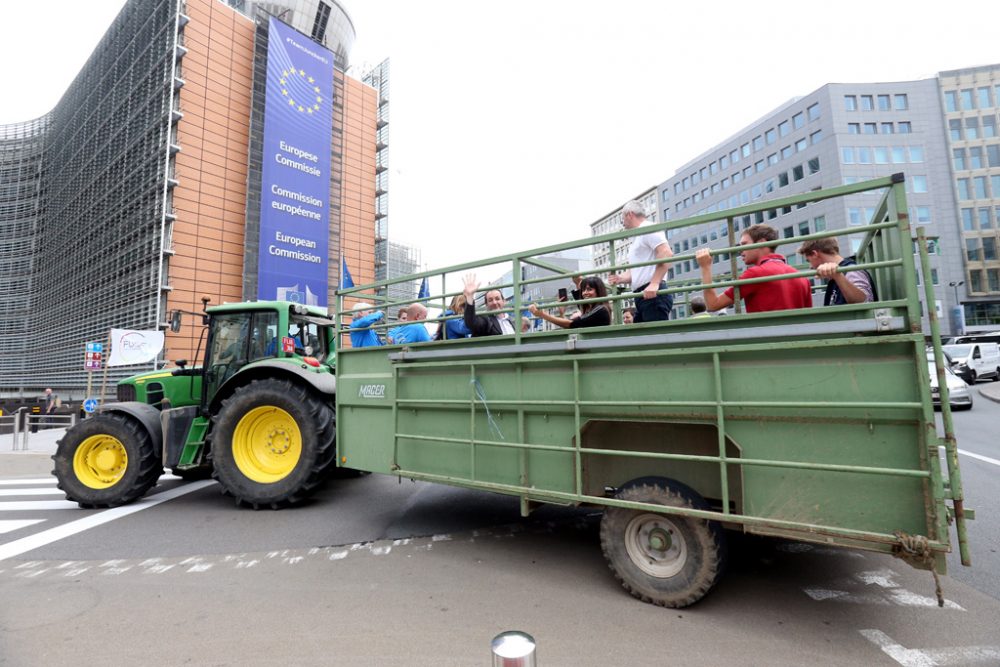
(898, 155)
(916, 153)
(319, 23)
(871, 128)
(881, 155)
(770, 136)
(902, 102)
(850, 103)
(814, 165)
(745, 149)
(886, 128)
(984, 218)
(819, 223)
(975, 157)
(958, 158)
(994, 279)
(971, 128)
(975, 282)
(955, 129)
(989, 127)
(797, 173)
(967, 101)
(798, 120)
(867, 103)
(758, 166)
(967, 220)
(847, 155)
(985, 97)
(713, 168)
(996, 186)
(782, 179)
(923, 214)
(801, 144)
(883, 103)
(816, 137)
(784, 128)
(979, 185)
(786, 152)
(854, 128)
(920, 184)
(864, 155)
(904, 127)
(812, 111)
(737, 177)
(989, 249)
(950, 101)
(963, 189)
(734, 156)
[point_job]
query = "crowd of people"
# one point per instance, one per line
(645, 280)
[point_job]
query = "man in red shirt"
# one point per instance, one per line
(761, 262)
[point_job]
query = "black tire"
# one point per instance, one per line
(996, 376)
(300, 476)
(694, 550)
(973, 377)
(127, 478)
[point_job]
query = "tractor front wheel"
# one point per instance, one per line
(272, 443)
(106, 461)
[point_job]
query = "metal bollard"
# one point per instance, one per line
(513, 649)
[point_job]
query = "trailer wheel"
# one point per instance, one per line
(667, 560)
(272, 443)
(106, 461)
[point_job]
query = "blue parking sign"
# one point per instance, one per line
(90, 405)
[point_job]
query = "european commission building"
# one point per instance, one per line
(132, 197)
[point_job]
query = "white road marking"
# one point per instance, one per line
(8, 525)
(912, 657)
(41, 505)
(980, 457)
(200, 567)
(28, 481)
(45, 537)
(31, 492)
(891, 592)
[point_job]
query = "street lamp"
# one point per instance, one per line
(958, 313)
(956, 285)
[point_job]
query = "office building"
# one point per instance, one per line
(971, 103)
(146, 188)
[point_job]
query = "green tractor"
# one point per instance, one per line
(257, 415)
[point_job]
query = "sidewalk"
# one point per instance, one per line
(990, 391)
(34, 461)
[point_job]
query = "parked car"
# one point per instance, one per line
(972, 361)
(959, 393)
(985, 337)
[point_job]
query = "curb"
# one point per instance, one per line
(991, 393)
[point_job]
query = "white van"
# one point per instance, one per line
(972, 361)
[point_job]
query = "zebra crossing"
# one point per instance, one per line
(33, 511)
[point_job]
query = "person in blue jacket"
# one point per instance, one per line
(362, 335)
(452, 329)
(414, 330)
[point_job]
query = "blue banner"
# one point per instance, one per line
(295, 184)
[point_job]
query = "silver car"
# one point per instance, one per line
(959, 393)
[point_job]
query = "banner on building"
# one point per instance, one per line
(134, 347)
(295, 183)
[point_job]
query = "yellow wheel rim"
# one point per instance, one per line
(267, 444)
(100, 461)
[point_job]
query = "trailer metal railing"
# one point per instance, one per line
(885, 252)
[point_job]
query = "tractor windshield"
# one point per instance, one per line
(308, 334)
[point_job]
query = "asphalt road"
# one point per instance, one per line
(379, 572)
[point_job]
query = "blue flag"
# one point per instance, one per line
(425, 291)
(346, 280)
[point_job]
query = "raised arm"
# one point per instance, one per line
(712, 300)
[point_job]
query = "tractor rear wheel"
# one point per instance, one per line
(272, 443)
(106, 461)
(668, 560)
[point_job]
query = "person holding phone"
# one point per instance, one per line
(590, 315)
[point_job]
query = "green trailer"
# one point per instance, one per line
(812, 424)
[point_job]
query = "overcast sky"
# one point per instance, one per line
(517, 124)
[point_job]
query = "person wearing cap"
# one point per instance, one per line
(646, 281)
(362, 335)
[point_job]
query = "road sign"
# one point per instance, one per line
(90, 405)
(94, 357)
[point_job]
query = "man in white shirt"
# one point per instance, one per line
(646, 281)
(498, 324)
